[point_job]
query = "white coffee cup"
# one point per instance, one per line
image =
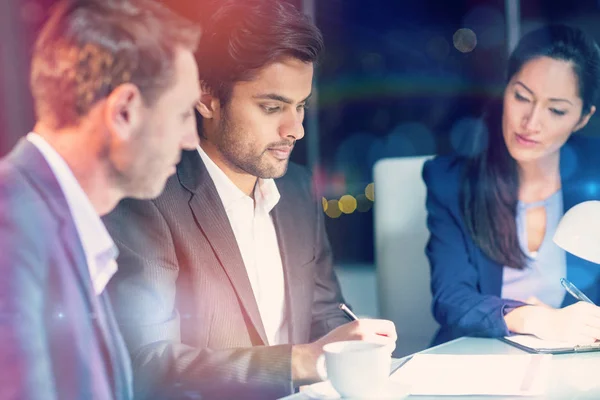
(355, 368)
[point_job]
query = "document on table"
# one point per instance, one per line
(459, 375)
(533, 344)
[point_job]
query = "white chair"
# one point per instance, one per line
(403, 274)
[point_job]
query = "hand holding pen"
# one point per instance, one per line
(371, 330)
(348, 312)
(578, 323)
(353, 317)
(573, 291)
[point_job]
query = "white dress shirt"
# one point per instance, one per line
(257, 241)
(99, 248)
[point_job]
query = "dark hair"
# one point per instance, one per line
(243, 36)
(89, 47)
(490, 185)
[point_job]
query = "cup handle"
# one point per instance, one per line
(321, 370)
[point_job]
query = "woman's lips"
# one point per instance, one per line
(525, 141)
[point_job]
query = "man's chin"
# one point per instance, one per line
(276, 171)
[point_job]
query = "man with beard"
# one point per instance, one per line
(105, 129)
(226, 287)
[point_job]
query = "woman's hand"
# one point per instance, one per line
(578, 323)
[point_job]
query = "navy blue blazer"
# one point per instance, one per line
(58, 339)
(465, 283)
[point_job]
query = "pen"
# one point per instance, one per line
(351, 315)
(348, 312)
(573, 291)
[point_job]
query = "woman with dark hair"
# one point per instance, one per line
(492, 214)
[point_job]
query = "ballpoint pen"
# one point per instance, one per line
(573, 291)
(348, 312)
(351, 315)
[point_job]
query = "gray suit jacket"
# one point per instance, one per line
(183, 298)
(58, 340)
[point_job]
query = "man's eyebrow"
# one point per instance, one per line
(277, 97)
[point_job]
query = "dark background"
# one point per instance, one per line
(391, 83)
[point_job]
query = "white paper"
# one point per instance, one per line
(458, 375)
(325, 391)
(537, 343)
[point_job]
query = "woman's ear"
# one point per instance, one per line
(584, 119)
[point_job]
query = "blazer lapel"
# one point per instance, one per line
(212, 220)
(96, 305)
(32, 163)
(121, 364)
(296, 287)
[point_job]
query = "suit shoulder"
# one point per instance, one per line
(130, 208)
(27, 225)
(16, 193)
(444, 172)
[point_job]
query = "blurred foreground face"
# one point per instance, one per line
(258, 127)
(542, 108)
(145, 162)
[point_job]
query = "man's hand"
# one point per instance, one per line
(304, 356)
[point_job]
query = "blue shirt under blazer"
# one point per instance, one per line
(465, 283)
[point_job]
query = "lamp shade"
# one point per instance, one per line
(578, 231)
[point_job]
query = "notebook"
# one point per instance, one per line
(534, 344)
(483, 375)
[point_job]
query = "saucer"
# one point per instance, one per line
(325, 391)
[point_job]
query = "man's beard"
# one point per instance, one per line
(240, 154)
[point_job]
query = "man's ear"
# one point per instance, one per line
(585, 119)
(208, 104)
(124, 106)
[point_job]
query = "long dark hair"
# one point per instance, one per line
(490, 185)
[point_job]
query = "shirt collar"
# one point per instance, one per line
(98, 246)
(266, 194)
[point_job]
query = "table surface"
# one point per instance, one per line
(572, 376)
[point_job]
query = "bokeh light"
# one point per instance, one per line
(333, 209)
(592, 189)
(347, 204)
(370, 191)
(325, 203)
(464, 40)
